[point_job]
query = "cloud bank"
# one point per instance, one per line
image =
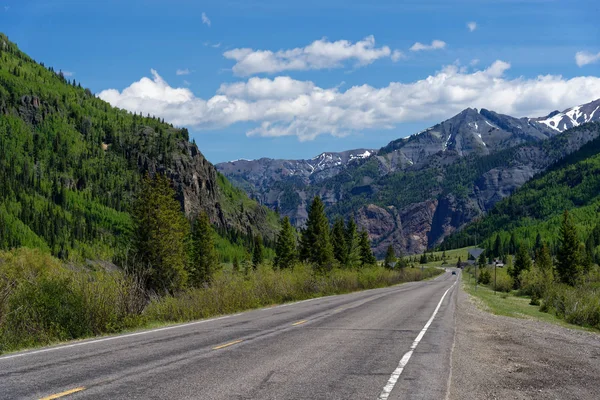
(320, 54)
(283, 106)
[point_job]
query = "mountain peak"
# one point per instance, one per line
(571, 117)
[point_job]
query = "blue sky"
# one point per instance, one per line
(361, 81)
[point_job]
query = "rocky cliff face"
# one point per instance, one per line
(197, 183)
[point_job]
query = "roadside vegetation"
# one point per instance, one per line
(44, 301)
(174, 273)
(564, 286)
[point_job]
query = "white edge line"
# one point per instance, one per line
(139, 333)
(387, 389)
(112, 338)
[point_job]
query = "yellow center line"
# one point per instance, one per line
(227, 344)
(65, 393)
(299, 322)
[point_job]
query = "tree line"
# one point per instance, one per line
(171, 252)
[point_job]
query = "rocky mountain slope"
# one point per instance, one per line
(279, 184)
(572, 183)
(417, 190)
(70, 165)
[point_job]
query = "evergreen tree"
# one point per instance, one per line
(257, 252)
(498, 250)
(159, 240)
(390, 257)
(236, 264)
(366, 254)
(459, 262)
(522, 263)
(285, 248)
(482, 262)
(543, 260)
(538, 242)
(205, 259)
(512, 244)
(352, 248)
(338, 241)
(316, 245)
(424, 259)
(568, 258)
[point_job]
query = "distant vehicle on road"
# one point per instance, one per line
(453, 272)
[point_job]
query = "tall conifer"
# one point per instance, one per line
(285, 248)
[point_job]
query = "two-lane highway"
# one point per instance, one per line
(391, 343)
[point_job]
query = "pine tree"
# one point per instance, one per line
(423, 259)
(236, 264)
(512, 244)
(390, 257)
(315, 246)
(366, 254)
(482, 262)
(459, 262)
(352, 248)
(159, 240)
(522, 263)
(538, 242)
(498, 247)
(285, 248)
(338, 241)
(568, 263)
(257, 252)
(205, 259)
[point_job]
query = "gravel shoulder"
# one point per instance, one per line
(497, 357)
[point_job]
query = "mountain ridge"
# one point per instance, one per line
(376, 189)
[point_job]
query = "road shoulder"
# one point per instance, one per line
(497, 357)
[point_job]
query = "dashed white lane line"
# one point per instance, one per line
(112, 338)
(387, 389)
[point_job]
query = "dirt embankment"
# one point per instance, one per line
(499, 357)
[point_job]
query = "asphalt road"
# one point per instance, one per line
(364, 345)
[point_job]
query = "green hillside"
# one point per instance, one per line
(573, 184)
(70, 165)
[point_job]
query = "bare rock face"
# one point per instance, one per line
(196, 182)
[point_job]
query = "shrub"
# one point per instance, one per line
(579, 305)
(484, 276)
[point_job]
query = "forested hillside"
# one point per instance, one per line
(572, 183)
(70, 166)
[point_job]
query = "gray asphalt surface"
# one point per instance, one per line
(338, 347)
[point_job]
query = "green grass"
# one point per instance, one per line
(451, 257)
(510, 304)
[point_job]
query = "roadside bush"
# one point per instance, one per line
(579, 305)
(230, 292)
(504, 282)
(484, 276)
(42, 301)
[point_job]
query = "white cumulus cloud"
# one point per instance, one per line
(435, 45)
(205, 19)
(320, 54)
(472, 26)
(584, 58)
(283, 106)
